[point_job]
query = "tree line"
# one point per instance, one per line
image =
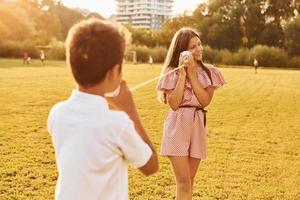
(235, 24)
(228, 25)
(37, 21)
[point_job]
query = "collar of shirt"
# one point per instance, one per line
(90, 100)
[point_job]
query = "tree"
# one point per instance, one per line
(254, 21)
(292, 39)
(280, 10)
(172, 25)
(94, 15)
(50, 24)
(219, 24)
(142, 37)
(67, 16)
(272, 35)
(15, 25)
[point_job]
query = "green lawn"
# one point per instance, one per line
(253, 134)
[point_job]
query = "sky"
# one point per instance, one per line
(108, 7)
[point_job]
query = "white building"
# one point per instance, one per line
(144, 13)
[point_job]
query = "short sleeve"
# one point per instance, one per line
(134, 149)
(217, 78)
(167, 82)
(204, 79)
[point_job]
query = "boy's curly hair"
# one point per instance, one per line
(93, 47)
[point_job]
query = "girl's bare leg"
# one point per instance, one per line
(181, 169)
(194, 165)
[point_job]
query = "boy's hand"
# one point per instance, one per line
(124, 101)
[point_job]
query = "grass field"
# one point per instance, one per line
(253, 134)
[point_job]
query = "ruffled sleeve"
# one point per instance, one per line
(217, 77)
(203, 78)
(167, 82)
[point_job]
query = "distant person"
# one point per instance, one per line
(25, 57)
(255, 63)
(42, 56)
(150, 60)
(28, 60)
(93, 142)
(187, 91)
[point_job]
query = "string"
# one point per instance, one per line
(153, 79)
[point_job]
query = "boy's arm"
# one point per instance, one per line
(124, 102)
(152, 165)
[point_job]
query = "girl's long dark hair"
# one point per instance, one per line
(180, 43)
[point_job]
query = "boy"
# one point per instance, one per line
(93, 143)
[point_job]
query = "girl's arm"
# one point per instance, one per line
(204, 96)
(175, 96)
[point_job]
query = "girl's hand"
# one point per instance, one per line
(191, 71)
(182, 65)
(182, 61)
(182, 72)
(191, 68)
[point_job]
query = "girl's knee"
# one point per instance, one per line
(184, 183)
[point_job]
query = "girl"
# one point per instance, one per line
(187, 91)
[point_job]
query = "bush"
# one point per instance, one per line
(295, 62)
(159, 53)
(226, 57)
(143, 52)
(266, 56)
(241, 57)
(57, 51)
(211, 55)
(15, 49)
(269, 56)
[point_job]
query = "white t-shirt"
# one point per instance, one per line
(92, 147)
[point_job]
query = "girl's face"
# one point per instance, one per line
(195, 47)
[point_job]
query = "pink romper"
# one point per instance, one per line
(184, 132)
